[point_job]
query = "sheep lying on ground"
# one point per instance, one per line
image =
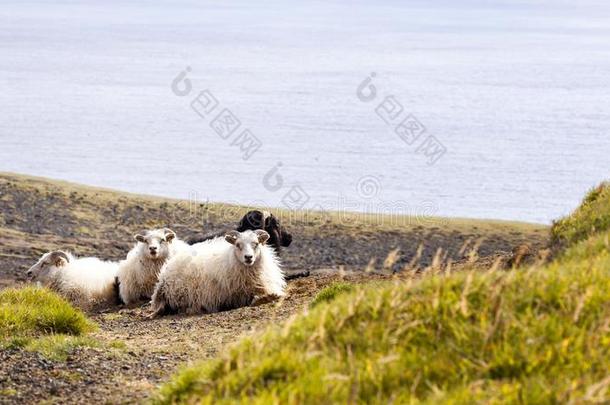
(253, 220)
(139, 272)
(220, 274)
(86, 282)
(278, 235)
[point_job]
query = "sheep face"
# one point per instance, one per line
(154, 244)
(47, 265)
(247, 245)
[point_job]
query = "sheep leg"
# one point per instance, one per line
(264, 299)
(159, 308)
(160, 311)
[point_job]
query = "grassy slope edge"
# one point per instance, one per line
(39, 320)
(536, 335)
(591, 217)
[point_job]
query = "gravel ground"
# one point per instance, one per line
(153, 349)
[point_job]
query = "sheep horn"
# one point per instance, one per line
(169, 234)
(61, 254)
(263, 236)
(231, 237)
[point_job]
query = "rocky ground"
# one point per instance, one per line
(38, 215)
(152, 350)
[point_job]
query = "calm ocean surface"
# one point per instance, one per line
(514, 97)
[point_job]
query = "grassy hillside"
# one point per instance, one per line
(592, 217)
(533, 335)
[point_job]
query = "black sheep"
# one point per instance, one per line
(254, 220)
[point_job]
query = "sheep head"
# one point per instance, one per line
(48, 263)
(247, 245)
(154, 244)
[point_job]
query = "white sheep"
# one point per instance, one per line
(139, 272)
(216, 275)
(86, 282)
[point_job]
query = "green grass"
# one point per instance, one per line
(592, 216)
(58, 347)
(8, 392)
(37, 319)
(535, 335)
(331, 292)
(35, 311)
(589, 248)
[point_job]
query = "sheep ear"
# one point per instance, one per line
(231, 237)
(169, 234)
(59, 258)
(263, 236)
(139, 238)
